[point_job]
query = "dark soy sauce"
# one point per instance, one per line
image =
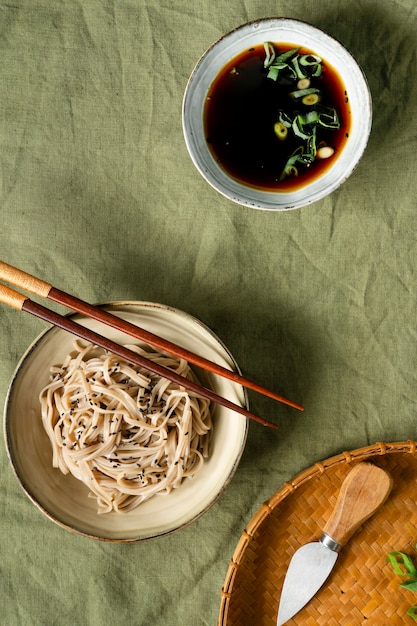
(240, 112)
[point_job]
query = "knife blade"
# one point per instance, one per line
(363, 492)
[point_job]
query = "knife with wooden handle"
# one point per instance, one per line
(363, 492)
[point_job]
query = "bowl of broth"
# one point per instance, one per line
(276, 114)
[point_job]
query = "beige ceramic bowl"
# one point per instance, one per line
(64, 499)
(300, 34)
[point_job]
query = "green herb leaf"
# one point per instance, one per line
(412, 612)
(280, 63)
(312, 117)
(269, 53)
(287, 55)
(411, 584)
(313, 63)
(303, 92)
(273, 72)
(284, 119)
(329, 118)
(276, 68)
(297, 69)
(298, 129)
(402, 564)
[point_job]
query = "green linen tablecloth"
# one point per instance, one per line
(100, 198)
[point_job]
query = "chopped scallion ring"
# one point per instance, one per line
(281, 131)
(311, 99)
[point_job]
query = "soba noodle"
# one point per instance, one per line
(127, 433)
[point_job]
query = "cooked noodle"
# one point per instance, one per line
(127, 433)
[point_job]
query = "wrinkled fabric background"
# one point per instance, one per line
(99, 197)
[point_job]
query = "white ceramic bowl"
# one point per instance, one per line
(224, 50)
(63, 498)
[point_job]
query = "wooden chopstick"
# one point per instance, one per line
(23, 303)
(43, 289)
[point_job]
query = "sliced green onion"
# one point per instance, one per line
(298, 129)
(284, 119)
(312, 63)
(280, 130)
(309, 59)
(287, 55)
(298, 71)
(273, 72)
(311, 99)
(289, 170)
(303, 83)
(269, 53)
(402, 564)
(300, 93)
(306, 159)
(329, 118)
(279, 63)
(312, 117)
(411, 584)
(275, 68)
(412, 612)
(312, 143)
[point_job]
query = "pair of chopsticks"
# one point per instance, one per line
(40, 288)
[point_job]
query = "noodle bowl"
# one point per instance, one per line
(63, 498)
(126, 433)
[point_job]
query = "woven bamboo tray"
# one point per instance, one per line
(362, 588)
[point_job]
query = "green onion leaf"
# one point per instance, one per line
(411, 584)
(297, 127)
(279, 63)
(269, 53)
(284, 119)
(311, 143)
(306, 159)
(329, 118)
(412, 612)
(273, 72)
(309, 60)
(287, 55)
(312, 62)
(289, 170)
(402, 564)
(297, 69)
(300, 93)
(275, 69)
(312, 117)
